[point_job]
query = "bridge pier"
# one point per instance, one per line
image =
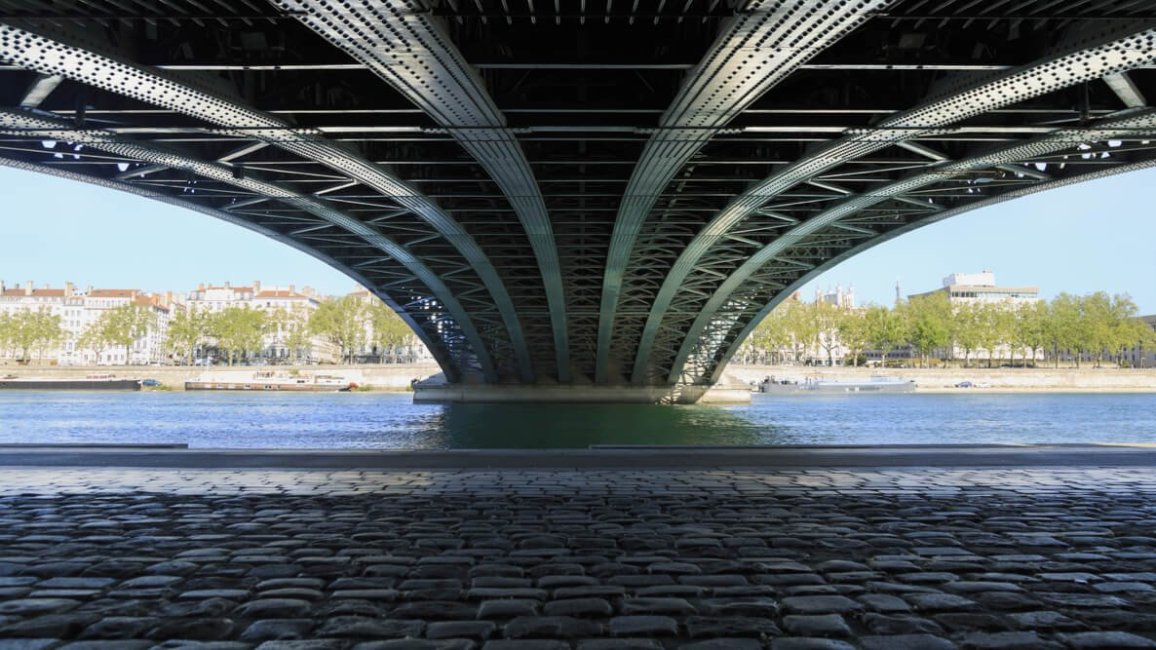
(434, 391)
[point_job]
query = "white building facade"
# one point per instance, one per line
(79, 310)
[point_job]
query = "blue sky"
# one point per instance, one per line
(1082, 238)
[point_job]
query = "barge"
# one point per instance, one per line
(271, 382)
(91, 382)
(826, 386)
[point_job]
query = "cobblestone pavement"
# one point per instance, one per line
(888, 559)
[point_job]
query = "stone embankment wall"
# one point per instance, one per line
(1010, 379)
(383, 377)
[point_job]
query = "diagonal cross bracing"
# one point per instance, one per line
(435, 346)
(51, 55)
(1141, 124)
(21, 123)
(764, 43)
(1103, 54)
(399, 41)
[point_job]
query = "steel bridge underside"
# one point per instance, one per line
(607, 192)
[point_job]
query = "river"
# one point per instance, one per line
(393, 421)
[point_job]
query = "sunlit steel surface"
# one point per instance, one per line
(579, 191)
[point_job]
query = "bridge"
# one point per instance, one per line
(579, 193)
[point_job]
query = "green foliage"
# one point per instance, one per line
(124, 325)
(239, 331)
(1096, 326)
(389, 330)
(341, 321)
(26, 331)
(187, 332)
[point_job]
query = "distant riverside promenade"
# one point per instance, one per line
(397, 377)
(389, 377)
(992, 380)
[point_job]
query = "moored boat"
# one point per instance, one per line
(872, 385)
(90, 382)
(268, 381)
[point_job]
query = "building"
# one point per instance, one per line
(80, 310)
(288, 308)
(412, 351)
(981, 288)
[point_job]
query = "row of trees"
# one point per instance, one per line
(235, 333)
(240, 333)
(1090, 327)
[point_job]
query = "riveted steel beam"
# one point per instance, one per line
(1102, 54)
(749, 326)
(435, 346)
(400, 42)
(1139, 125)
(20, 123)
(755, 50)
(51, 54)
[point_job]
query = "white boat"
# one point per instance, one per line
(872, 385)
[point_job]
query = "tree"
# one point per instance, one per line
(853, 333)
(342, 322)
(126, 324)
(772, 333)
(1029, 329)
(886, 330)
(803, 329)
(1065, 322)
(239, 331)
(929, 323)
(93, 338)
(826, 317)
(32, 330)
(389, 330)
(187, 332)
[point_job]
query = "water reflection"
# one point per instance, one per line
(537, 426)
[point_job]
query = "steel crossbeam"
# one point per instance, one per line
(54, 55)
(757, 49)
(21, 123)
(1139, 125)
(402, 44)
(1111, 53)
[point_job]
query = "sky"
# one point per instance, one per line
(1095, 236)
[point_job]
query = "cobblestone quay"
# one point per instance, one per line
(887, 558)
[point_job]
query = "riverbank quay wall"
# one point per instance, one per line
(932, 379)
(391, 377)
(398, 377)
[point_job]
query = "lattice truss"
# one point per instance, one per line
(577, 191)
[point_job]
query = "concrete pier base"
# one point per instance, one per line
(473, 393)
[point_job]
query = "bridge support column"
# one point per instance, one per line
(436, 392)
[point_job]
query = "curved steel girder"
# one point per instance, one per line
(20, 123)
(87, 64)
(435, 346)
(400, 43)
(827, 265)
(757, 49)
(1105, 55)
(1142, 124)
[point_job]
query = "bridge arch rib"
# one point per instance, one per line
(458, 323)
(424, 327)
(577, 192)
(52, 54)
(709, 365)
(739, 231)
(401, 43)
